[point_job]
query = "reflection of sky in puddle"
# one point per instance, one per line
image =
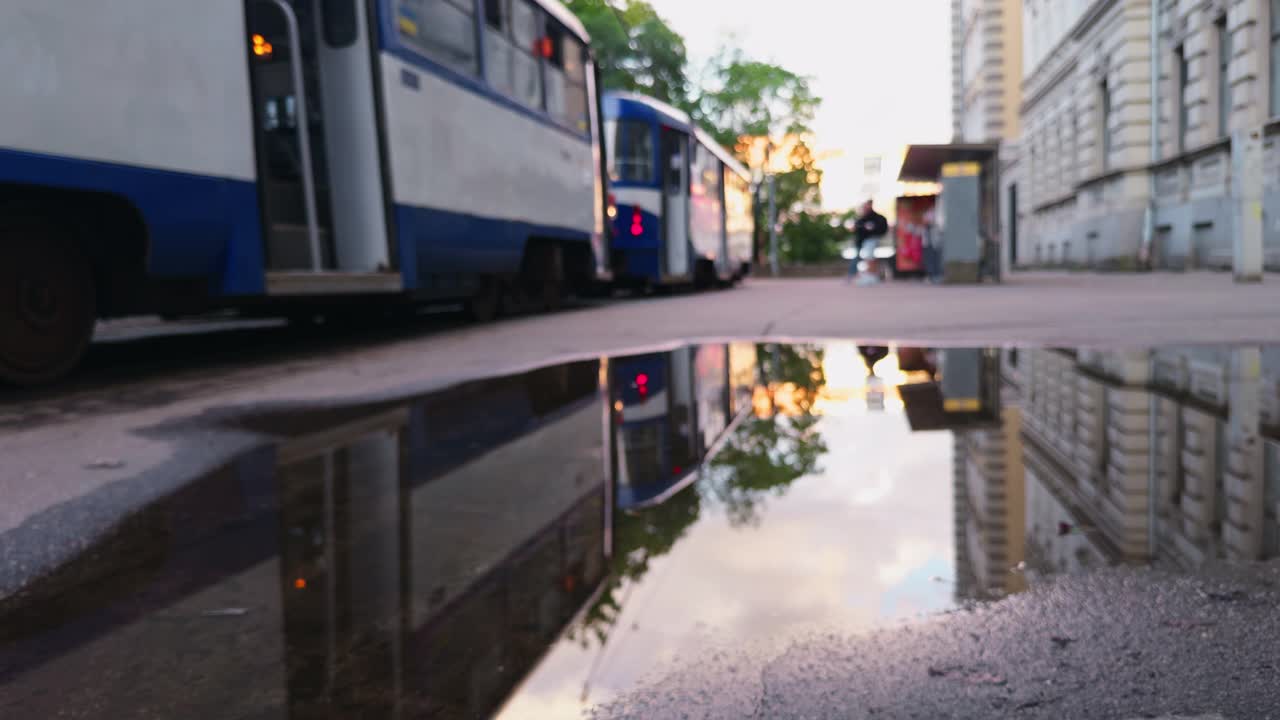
(862, 543)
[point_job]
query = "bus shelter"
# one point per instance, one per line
(966, 209)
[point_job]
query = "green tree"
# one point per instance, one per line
(813, 237)
(748, 102)
(636, 49)
(766, 455)
(750, 98)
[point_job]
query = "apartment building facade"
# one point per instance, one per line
(1128, 112)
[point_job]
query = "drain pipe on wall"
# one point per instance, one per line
(1145, 259)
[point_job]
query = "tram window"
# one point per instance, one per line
(553, 46)
(443, 30)
(527, 70)
(557, 93)
(340, 22)
(549, 48)
(574, 54)
(633, 152)
(495, 14)
(575, 90)
(498, 53)
(524, 25)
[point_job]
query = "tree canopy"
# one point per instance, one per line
(760, 111)
(636, 49)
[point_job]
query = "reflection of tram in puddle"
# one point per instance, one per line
(417, 559)
(673, 409)
(476, 534)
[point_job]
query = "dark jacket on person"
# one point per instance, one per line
(871, 225)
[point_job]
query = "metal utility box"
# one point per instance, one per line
(960, 222)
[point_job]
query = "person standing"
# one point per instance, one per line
(932, 247)
(870, 227)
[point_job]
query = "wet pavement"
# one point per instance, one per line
(719, 530)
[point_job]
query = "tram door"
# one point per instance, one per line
(319, 160)
(675, 201)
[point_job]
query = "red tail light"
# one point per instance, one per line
(637, 222)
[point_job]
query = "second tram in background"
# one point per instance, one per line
(679, 203)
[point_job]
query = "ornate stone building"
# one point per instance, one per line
(1128, 110)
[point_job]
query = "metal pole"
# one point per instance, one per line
(773, 226)
(1145, 254)
(304, 131)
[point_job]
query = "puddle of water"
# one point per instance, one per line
(532, 545)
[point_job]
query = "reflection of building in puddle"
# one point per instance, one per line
(960, 390)
(1122, 457)
(989, 508)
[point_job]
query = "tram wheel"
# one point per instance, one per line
(553, 279)
(47, 304)
(486, 304)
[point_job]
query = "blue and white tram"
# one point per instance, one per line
(679, 204)
(175, 156)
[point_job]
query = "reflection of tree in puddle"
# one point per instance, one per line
(638, 539)
(791, 378)
(781, 444)
(761, 459)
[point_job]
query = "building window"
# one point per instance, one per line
(1072, 158)
(1275, 57)
(1105, 123)
(1224, 76)
(1180, 54)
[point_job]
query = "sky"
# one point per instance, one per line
(882, 68)
(864, 542)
